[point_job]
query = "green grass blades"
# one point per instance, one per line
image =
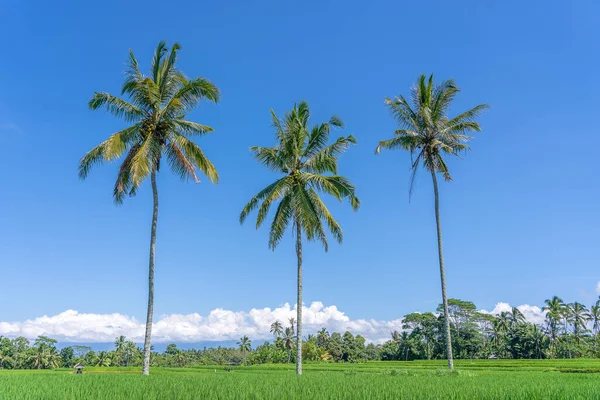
(478, 379)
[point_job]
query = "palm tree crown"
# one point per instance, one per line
(157, 109)
(276, 328)
(426, 131)
(245, 345)
(303, 156)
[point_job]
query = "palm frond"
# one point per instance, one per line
(110, 149)
(145, 160)
(190, 94)
(336, 186)
(326, 159)
(323, 212)
(191, 128)
(266, 192)
(270, 158)
(124, 185)
(159, 53)
(116, 106)
(469, 116)
(196, 156)
(179, 163)
(281, 220)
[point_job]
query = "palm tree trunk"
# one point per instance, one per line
(147, 338)
(442, 272)
(299, 302)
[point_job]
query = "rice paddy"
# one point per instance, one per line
(478, 379)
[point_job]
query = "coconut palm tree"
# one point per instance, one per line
(156, 110)
(103, 359)
(553, 308)
(579, 318)
(322, 337)
(516, 317)
(276, 328)
(245, 345)
(288, 341)
(427, 133)
(292, 322)
(309, 166)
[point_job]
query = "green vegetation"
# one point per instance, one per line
(476, 337)
(483, 379)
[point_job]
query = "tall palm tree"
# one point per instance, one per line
(309, 166)
(579, 318)
(427, 133)
(157, 109)
(245, 345)
(276, 328)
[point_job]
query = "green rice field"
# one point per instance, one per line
(479, 379)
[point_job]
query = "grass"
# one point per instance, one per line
(480, 379)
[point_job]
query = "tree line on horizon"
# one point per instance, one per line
(303, 156)
(570, 330)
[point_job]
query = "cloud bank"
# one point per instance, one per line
(218, 325)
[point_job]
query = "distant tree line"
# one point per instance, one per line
(570, 330)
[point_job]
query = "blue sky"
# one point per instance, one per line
(520, 219)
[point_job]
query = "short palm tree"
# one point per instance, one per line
(427, 133)
(245, 345)
(157, 107)
(309, 166)
(276, 328)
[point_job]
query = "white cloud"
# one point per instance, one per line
(533, 314)
(218, 325)
(598, 288)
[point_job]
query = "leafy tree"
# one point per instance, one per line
(426, 131)
(67, 355)
(171, 349)
(304, 158)
(157, 108)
